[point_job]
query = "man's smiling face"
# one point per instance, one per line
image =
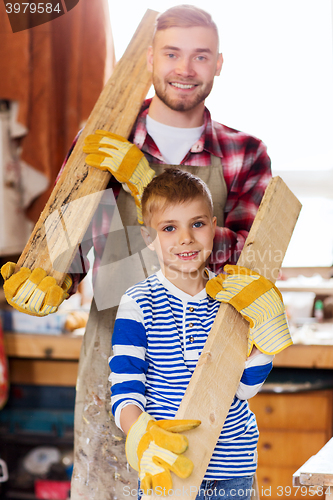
(184, 62)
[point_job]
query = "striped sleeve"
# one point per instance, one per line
(255, 373)
(128, 365)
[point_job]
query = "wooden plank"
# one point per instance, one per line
(66, 216)
(23, 345)
(269, 237)
(215, 380)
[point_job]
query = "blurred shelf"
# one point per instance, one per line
(24, 345)
(43, 359)
(53, 359)
(321, 289)
(305, 356)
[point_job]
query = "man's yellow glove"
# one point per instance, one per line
(33, 292)
(122, 159)
(155, 447)
(259, 301)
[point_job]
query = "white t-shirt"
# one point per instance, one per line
(173, 142)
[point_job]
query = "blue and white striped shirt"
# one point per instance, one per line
(159, 334)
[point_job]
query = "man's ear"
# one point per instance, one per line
(150, 58)
(219, 64)
(147, 238)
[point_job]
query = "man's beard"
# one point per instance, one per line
(179, 104)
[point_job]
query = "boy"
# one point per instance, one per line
(161, 327)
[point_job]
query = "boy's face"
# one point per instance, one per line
(182, 236)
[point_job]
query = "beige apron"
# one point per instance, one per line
(100, 466)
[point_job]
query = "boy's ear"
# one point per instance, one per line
(147, 238)
(214, 224)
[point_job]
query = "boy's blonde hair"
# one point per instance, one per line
(172, 186)
(184, 16)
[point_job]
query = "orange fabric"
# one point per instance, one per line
(56, 71)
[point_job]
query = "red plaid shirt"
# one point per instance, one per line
(246, 170)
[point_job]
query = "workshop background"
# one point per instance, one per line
(276, 83)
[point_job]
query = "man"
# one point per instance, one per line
(174, 127)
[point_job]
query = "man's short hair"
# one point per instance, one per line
(171, 187)
(184, 16)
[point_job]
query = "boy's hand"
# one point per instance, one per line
(154, 448)
(33, 292)
(122, 159)
(259, 301)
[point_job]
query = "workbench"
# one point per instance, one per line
(316, 475)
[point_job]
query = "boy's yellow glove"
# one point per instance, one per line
(259, 301)
(122, 159)
(155, 447)
(33, 292)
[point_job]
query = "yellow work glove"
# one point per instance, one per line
(122, 159)
(155, 447)
(33, 292)
(259, 301)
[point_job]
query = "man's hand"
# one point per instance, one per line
(122, 159)
(33, 292)
(154, 448)
(259, 301)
